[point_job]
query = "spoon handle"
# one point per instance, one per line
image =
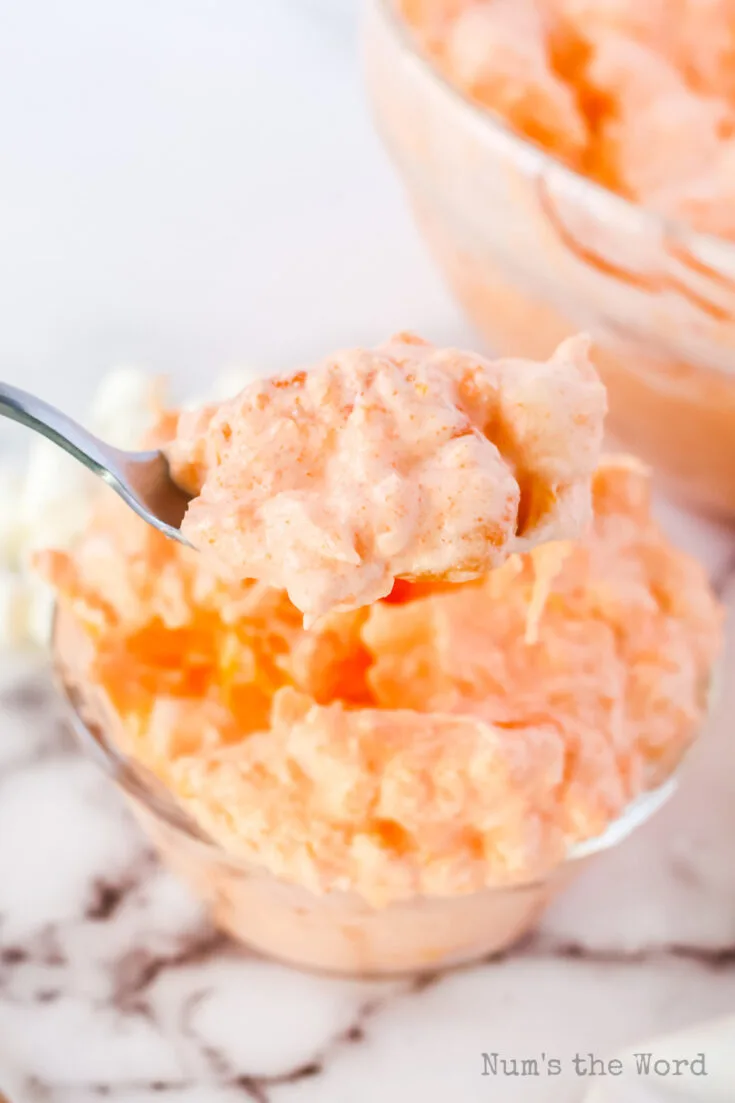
(36, 414)
(141, 479)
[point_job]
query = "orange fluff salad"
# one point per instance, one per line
(404, 461)
(638, 96)
(448, 736)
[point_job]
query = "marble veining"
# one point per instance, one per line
(114, 985)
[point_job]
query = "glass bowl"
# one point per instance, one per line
(535, 252)
(336, 932)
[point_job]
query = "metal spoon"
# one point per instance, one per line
(142, 479)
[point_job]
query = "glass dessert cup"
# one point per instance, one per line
(337, 932)
(535, 252)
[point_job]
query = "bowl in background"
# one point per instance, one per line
(535, 252)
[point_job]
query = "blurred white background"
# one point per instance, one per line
(192, 184)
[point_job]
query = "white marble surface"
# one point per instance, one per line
(189, 185)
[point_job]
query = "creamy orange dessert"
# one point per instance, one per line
(402, 462)
(448, 739)
(638, 96)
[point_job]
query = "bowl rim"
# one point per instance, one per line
(719, 249)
